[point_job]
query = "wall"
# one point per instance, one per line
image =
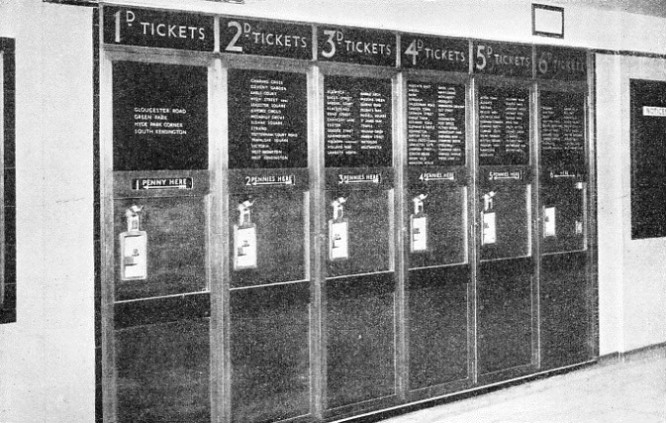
(47, 356)
(631, 280)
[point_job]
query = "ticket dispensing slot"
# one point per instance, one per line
(489, 219)
(133, 248)
(418, 225)
(338, 232)
(245, 238)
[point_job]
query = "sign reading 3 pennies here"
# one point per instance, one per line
(364, 47)
(155, 28)
(267, 119)
(160, 116)
(262, 38)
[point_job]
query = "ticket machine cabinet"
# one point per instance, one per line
(565, 316)
(269, 244)
(435, 204)
(505, 275)
(359, 230)
(156, 242)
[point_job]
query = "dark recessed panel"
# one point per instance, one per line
(360, 342)
(279, 221)
(562, 217)
(565, 310)
(506, 222)
(358, 131)
(504, 126)
(270, 356)
(504, 315)
(163, 373)
(175, 228)
(444, 212)
(435, 124)
(367, 214)
(648, 155)
(437, 326)
(267, 119)
(160, 116)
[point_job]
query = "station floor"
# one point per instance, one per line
(631, 389)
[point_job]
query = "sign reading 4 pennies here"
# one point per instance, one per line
(348, 45)
(262, 38)
(443, 54)
(153, 28)
(502, 59)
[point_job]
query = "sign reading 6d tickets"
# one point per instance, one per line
(350, 45)
(262, 38)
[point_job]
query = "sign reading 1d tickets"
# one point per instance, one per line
(154, 28)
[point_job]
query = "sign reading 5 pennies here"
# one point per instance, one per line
(359, 46)
(262, 38)
(435, 53)
(153, 28)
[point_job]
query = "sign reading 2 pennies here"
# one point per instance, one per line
(267, 119)
(502, 59)
(357, 122)
(364, 47)
(443, 54)
(160, 116)
(154, 28)
(262, 38)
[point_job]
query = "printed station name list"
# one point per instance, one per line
(159, 121)
(269, 134)
(351, 134)
(436, 132)
(503, 125)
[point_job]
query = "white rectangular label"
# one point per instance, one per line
(134, 257)
(654, 111)
(489, 229)
(245, 247)
(549, 221)
(338, 240)
(419, 229)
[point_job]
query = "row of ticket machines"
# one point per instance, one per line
(307, 242)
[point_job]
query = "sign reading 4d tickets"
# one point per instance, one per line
(502, 59)
(435, 53)
(359, 46)
(153, 28)
(262, 38)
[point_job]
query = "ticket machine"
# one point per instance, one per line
(435, 214)
(158, 174)
(565, 302)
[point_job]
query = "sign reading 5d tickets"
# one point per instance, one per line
(350, 45)
(262, 38)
